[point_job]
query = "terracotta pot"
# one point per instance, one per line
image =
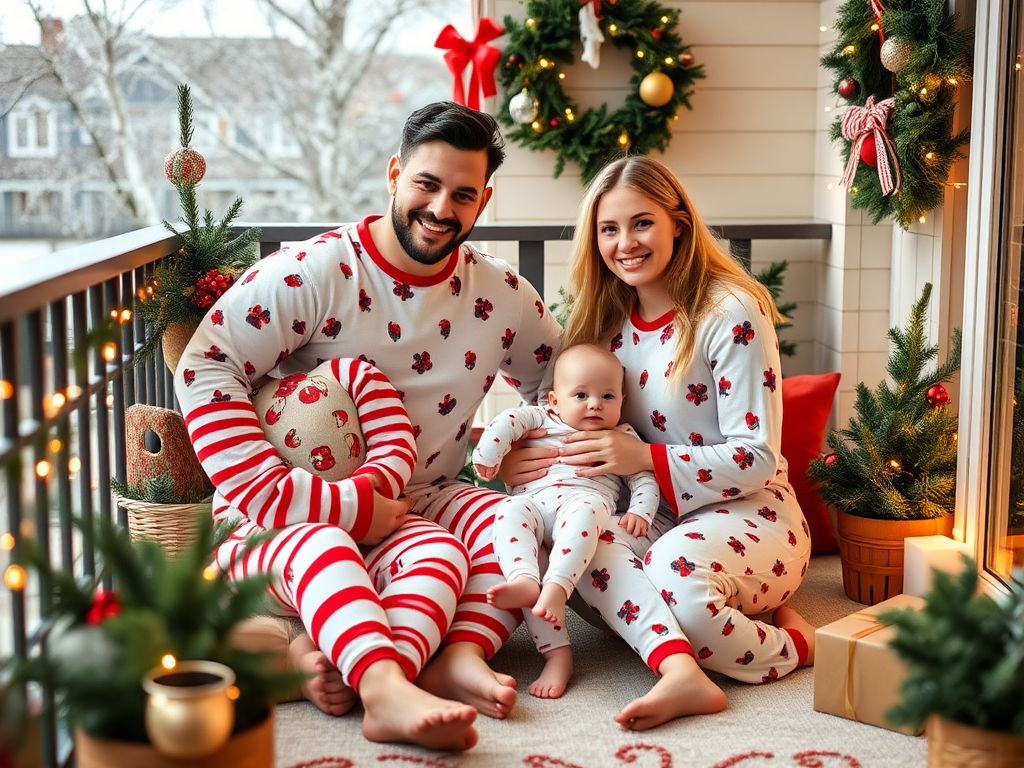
(174, 340)
(871, 552)
(955, 745)
(253, 748)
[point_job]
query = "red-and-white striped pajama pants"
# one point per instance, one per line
(394, 601)
(467, 511)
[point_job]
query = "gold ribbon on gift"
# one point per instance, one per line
(851, 645)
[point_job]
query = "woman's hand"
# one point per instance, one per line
(605, 451)
(521, 465)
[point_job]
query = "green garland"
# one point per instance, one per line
(938, 61)
(538, 47)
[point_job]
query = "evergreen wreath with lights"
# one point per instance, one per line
(542, 116)
(898, 65)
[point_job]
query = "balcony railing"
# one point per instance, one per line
(62, 414)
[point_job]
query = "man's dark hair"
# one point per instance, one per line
(454, 124)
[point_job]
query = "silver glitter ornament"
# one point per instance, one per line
(895, 54)
(523, 108)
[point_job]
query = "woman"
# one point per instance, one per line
(695, 334)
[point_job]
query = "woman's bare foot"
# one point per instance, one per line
(521, 592)
(324, 687)
(460, 672)
(550, 606)
(786, 618)
(683, 689)
(555, 677)
(395, 710)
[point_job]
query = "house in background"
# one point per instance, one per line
(61, 167)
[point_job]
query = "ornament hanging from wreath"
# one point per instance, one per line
(541, 115)
(898, 64)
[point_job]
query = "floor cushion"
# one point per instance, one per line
(806, 404)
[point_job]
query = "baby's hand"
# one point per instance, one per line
(486, 473)
(634, 525)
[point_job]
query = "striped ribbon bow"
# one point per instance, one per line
(870, 120)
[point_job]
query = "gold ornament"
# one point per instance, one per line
(895, 54)
(189, 708)
(656, 89)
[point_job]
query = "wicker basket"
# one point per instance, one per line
(173, 526)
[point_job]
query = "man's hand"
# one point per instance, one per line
(634, 525)
(388, 516)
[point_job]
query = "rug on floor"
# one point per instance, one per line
(764, 726)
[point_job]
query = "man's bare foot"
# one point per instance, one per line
(324, 687)
(521, 592)
(683, 689)
(460, 672)
(395, 710)
(550, 606)
(786, 618)
(557, 671)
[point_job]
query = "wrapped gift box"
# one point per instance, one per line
(856, 674)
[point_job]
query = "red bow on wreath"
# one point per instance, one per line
(460, 52)
(870, 120)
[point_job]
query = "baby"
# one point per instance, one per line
(566, 512)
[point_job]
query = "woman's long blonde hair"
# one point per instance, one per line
(699, 265)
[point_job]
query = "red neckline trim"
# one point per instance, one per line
(654, 325)
(363, 229)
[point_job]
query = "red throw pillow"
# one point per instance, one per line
(806, 404)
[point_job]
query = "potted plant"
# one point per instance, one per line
(162, 614)
(187, 283)
(892, 472)
(965, 671)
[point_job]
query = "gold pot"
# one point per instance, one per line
(955, 745)
(190, 709)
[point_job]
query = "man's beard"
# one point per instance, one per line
(403, 231)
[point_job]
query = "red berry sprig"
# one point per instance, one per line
(211, 287)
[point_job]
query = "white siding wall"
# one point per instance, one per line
(755, 148)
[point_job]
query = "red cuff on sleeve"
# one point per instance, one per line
(800, 644)
(662, 473)
(364, 506)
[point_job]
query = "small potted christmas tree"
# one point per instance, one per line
(165, 617)
(964, 652)
(188, 282)
(892, 472)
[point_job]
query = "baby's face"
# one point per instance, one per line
(587, 390)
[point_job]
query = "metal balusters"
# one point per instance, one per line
(59, 341)
(84, 424)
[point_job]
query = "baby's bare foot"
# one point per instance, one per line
(521, 592)
(324, 687)
(550, 606)
(555, 677)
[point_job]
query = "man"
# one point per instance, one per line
(403, 293)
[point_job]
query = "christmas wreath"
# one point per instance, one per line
(899, 68)
(540, 113)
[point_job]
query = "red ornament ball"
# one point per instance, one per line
(656, 33)
(686, 59)
(937, 396)
(848, 87)
(185, 166)
(515, 60)
(554, 122)
(868, 151)
(831, 459)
